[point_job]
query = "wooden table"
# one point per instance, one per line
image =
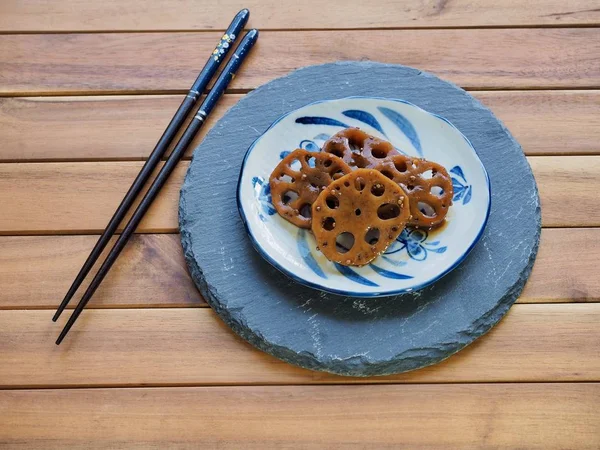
(87, 88)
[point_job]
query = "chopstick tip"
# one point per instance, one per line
(244, 13)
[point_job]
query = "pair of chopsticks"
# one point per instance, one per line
(207, 73)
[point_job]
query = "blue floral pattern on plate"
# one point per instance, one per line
(415, 251)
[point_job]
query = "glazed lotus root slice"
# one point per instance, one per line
(358, 149)
(357, 217)
(298, 180)
(428, 184)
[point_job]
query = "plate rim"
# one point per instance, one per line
(266, 256)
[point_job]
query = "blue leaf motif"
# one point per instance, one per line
(457, 185)
(456, 170)
(389, 274)
(309, 145)
(416, 251)
(284, 153)
(393, 262)
(364, 117)
(307, 256)
(414, 241)
(321, 137)
(462, 191)
(315, 120)
(458, 194)
(467, 198)
(405, 126)
(262, 191)
(352, 275)
(439, 250)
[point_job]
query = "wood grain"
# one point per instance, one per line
(36, 271)
(37, 198)
(69, 15)
(167, 62)
(191, 346)
(128, 127)
(571, 183)
(91, 128)
(539, 416)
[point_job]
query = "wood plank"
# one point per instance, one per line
(532, 416)
(36, 271)
(35, 15)
(39, 198)
(549, 122)
(112, 128)
(50, 197)
(167, 62)
(565, 267)
(91, 128)
(191, 346)
(566, 181)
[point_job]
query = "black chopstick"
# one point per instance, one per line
(208, 71)
(188, 135)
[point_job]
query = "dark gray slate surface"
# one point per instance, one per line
(350, 336)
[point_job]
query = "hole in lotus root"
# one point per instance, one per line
(332, 202)
(387, 173)
(286, 178)
(410, 187)
(437, 190)
(378, 152)
(428, 174)
(347, 183)
(289, 196)
(310, 160)
(327, 163)
(360, 161)
(372, 236)
(426, 210)
(336, 150)
(388, 211)
(359, 184)
(344, 242)
(305, 211)
(338, 175)
(296, 165)
(400, 165)
(355, 145)
(378, 189)
(358, 212)
(328, 223)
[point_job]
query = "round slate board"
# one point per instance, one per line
(350, 336)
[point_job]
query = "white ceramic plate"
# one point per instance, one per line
(417, 258)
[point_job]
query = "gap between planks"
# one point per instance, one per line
(275, 30)
(158, 92)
